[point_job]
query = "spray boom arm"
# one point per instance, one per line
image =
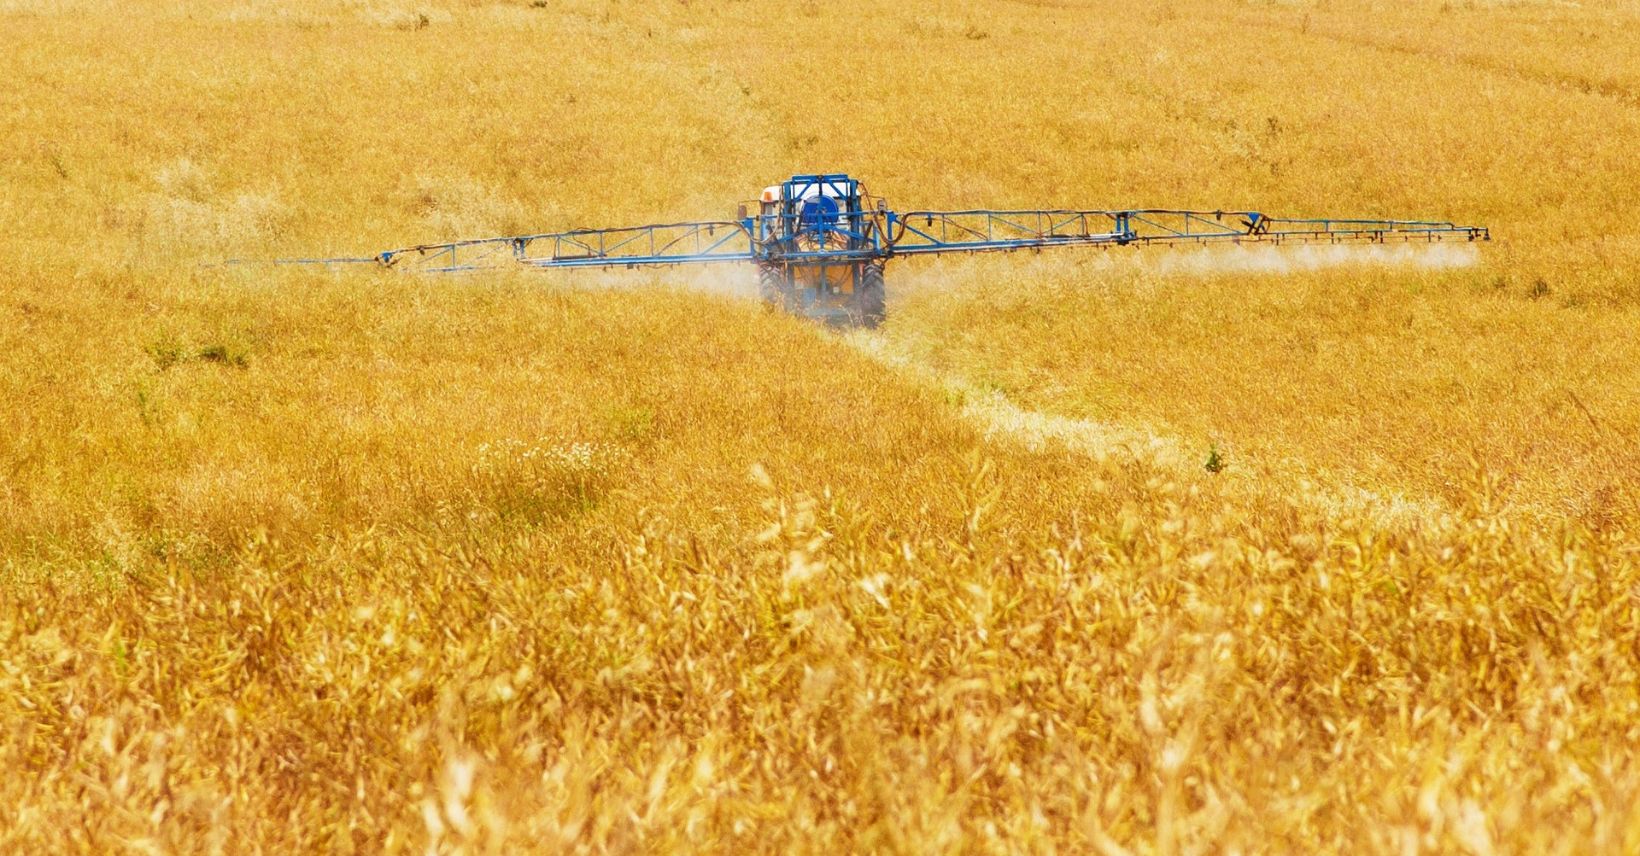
(929, 232)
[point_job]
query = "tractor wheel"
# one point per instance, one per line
(871, 303)
(773, 289)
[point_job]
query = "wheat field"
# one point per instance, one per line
(357, 562)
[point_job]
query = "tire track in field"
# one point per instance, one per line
(1564, 81)
(1001, 420)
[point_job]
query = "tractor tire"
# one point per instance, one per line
(871, 303)
(774, 290)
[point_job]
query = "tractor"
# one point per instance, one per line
(819, 248)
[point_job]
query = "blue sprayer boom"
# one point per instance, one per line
(820, 242)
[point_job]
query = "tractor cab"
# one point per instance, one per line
(825, 210)
(819, 245)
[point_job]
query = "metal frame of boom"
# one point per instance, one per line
(872, 232)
